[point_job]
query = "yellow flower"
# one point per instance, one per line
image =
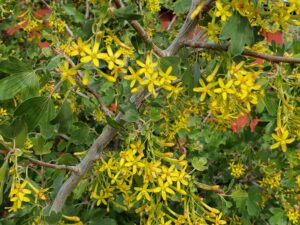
(66, 73)
(163, 189)
(281, 137)
(222, 11)
(143, 192)
(3, 112)
(113, 58)
(135, 76)
(18, 194)
(237, 170)
(93, 55)
(224, 89)
(205, 89)
(150, 81)
(294, 216)
(166, 78)
(79, 48)
(148, 67)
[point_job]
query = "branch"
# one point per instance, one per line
(141, 31)
(188, 26)
(87, 9)
(93, 154)
(54, 166)
(224, 47)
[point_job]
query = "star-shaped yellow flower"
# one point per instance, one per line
(281, 137)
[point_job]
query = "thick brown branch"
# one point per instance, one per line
(54, 166)
(141, 31)
(224, 47)
(188, 26)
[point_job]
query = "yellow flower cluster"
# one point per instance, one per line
(232, 96)
(270, 17)
(19, 193)
(150, 180)
(271, 181)
(57, 23)
(153, 5)
(32, 24)
(236, 169)
(294, 215)
(154, 77)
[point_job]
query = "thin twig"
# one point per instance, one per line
(54, 166)
(87, 9)
(141, 31)
(70, 32)
(170, 25)
(224, 47)
(91, 91)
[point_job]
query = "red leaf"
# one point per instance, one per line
(43, 44)
(40, 13)
(235, 127)
(239, 123)
(113, 107)
(253, 124)
(242, 120)
(12, 30)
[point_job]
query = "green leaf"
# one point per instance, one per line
(127, 13)
(278, 217)
(21, 137)
(14, 66)
(131, 115)
(155, 114)
(13, 130)
(271, 102)
(12, 85)
(240, 197)
(79, 135)
(53, 63)
(64, 118)
(71, 10)
(199, 163)
(239, 30)
(34, 109)
(254, 198)
(41, 146)
(181, 6)
(3, 171)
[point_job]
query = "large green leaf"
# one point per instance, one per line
(13, 66)
(12, 85)
(34, 109)
(64, 118)
(254, 198)
(41, 146)
(239, 30)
